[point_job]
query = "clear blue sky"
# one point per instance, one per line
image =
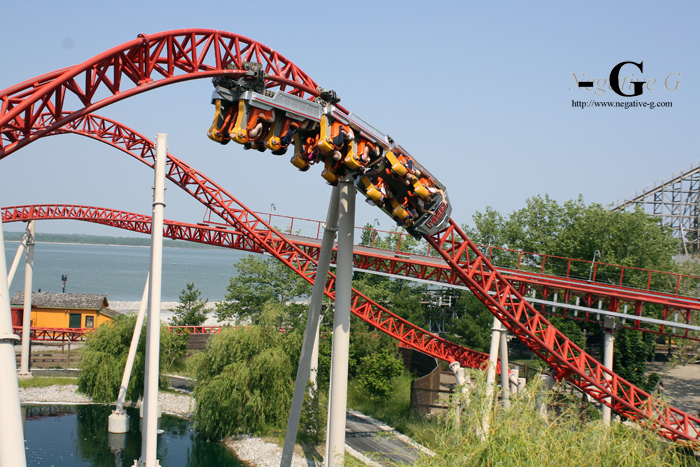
(480, 93)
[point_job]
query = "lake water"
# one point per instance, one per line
(120, 271)
(76, 436)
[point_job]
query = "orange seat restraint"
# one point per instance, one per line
(398, 210)
(396, 165)
(289, 125)
(259, 114)
(371, 190)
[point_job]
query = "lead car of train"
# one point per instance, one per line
(345, 145)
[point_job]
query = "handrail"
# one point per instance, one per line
(520, 260)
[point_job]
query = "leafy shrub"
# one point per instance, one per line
(105, 354)
(313, 416)
(377, 371)
(245, 381)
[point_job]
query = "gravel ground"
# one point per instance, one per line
(254, 451)
(263, 454)
(66, 394)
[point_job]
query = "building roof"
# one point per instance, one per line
(110, 312)
(63, 300)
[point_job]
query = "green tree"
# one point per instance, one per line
(570, 230)
(378, 370)
(104, 358)
(312, 425)
(245, 380)
(472, 326)
(260, 281)
(488, 228)
(190, 310)
(576, 230)
(632, 350)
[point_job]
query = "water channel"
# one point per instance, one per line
(76, 436)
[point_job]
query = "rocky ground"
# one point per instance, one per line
(255, 451)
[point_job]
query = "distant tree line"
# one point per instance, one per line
(102, 240)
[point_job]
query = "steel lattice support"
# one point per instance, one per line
(676, 200)
(434, 270)
(567, 360)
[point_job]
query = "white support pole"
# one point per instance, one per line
(150, 399)
(505, 397)
(514, 376)
(18, 256)
(608, 348)
(335, 441)
(119, 420)
(491, 376)
(12, 452)
(24, 372)
(310, 344)
(462, 382)
(313, 373)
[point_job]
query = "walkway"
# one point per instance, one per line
(681, 385)
(378, 444)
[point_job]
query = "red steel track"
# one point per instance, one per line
(40, 106)
(369, 259)
(55, 334)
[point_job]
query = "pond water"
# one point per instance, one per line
(76, 436)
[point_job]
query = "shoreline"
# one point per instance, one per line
(184, 247)
(254, 451)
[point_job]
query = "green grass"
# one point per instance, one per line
(521, 436)
(44, 381)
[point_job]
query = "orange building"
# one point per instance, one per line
(64, 310)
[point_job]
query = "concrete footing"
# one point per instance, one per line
(118, 422)
(159, 410)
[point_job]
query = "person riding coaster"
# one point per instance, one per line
(377, 193)
(368, 151)
(348, 147)
(333, 137)
(215, 132)
(360, 154)
(252, 124)
(404, 214)
(258, 126)
(281, 134)
(306, 153)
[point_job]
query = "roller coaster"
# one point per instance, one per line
(64, 101)
(412, 266)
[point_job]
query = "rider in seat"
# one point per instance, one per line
(259, 119)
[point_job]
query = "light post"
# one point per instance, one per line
(590, 273)
(64, 279)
